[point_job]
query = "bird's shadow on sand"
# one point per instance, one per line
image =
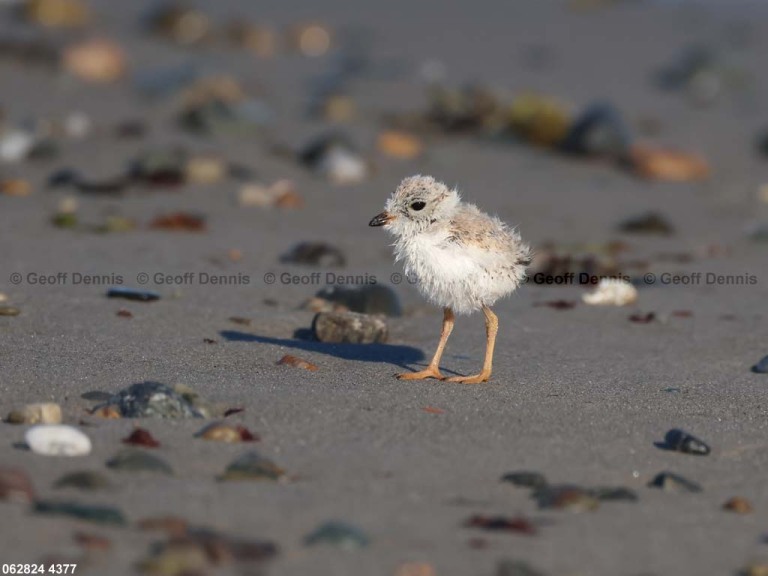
(388, 353)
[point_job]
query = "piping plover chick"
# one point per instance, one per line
(461, 259)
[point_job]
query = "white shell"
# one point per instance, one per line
(611, 292)
(57, 440)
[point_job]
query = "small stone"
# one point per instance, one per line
(98, 514)
(682, 441)
(670, 482)
(416, 569)
(517, 525)
(399, 145)
(221, 432)
(179, 222)
(57, 13)
(152, 400)
(123, 313)
(92, 542)
(611, 292)
(738, 505)
(239, 320)
(65, 220)
(15, 486)
(198, 403)
(311, 40)
(41, 413)
(538, 119)
(600, 131)
(9, 311)
(668, 165)
(366, 299)
(15, 145)
(252, 466)
(84, 480)
(525, 479)
(15, 187)
(116, 224)
(755, 570)
(761, 367)
(516, 568)
(281, 194)
(63, 178)
(205, 170)
(172, 526)
(338, 534)
(96, 60)
(176, 558)
(141, 437)
(565, 497)
(641, 318)
(314, 254)
(289, 360)
(334, 156)
(131, 460)
(349, 327)
(57, 440)
(614, 494)
(649, 223)
(180, 24)
(133, 294)
(260, 40)
(163, 168)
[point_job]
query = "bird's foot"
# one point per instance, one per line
(429, 372)
(476, 379)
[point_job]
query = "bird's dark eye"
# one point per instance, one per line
(418, 205)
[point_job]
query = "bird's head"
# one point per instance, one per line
(416, 204)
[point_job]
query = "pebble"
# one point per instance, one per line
(566, 497)
(416, 569)
(540, 120)
(57, 440)
(252, 466)
(281, 194)
(98, 514)
(9, 311)
(350, 327)
(180, 24)
(179, 222)
(133, 294)
(334, 156)
(525, 479)
(517, 525)
(172, 526)
(754, 570)
(366, 299)
(599, 131)
(668, 165)
(40, 413)
(65, 220)
(15, 187)
(682, 441)
(57, 13)
(15, 486)
(83, 480)
(648, 223)
(205, 170)
(516, 568)
(761, 367)
(221, 432)
(289, 360)
(611, 292)
(401, 145)
(141, 437)
(15, 145)
(339, 534)
(614, 494)
(315, 254)
(92, 542)
(160, 168)
(152, 400)
(96, 60)
(670, 482)
(260, 40)
(132, 460)
(738, 505)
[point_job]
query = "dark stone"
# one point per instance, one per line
(565, 497)
(649, 223)
(132, 460)
(670, 482)
(83, 480)
(614, 494)
(525, 479)
(132, 294)
(761, 367)
(367, 299)
(63, 178)
(315, 254)
(516, 568)
(316, 150)
(349, 327)
(338, 534)
(152, 399)
(253, 466)
(681, 441)
(599, 131)
(99, 514)
(517, 525)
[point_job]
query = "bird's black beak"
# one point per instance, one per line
(381, 219)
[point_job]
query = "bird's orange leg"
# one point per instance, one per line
(433, 370)
(491, 329)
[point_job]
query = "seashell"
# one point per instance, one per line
(611, 292)
(57, 440)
